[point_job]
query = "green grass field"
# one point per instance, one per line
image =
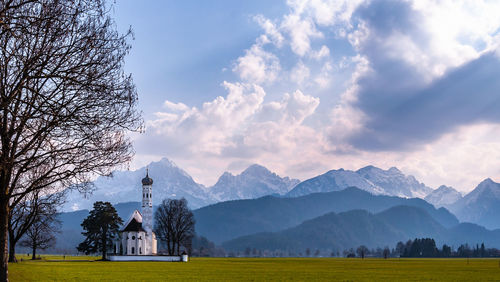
(50, 268)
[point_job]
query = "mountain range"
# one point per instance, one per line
(338, 209)
(170, 181)
(480, 206)
(372, 179)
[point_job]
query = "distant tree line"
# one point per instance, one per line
(426, 247)
(202, 247)
(419, 247)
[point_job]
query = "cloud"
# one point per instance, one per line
(418, 84)
(300, 73)
(326, 12)
(238, 126)
(464, 96)
(208, 129)
(461, 158)
(321, 53)
(411, 84)
(175, 106)
(324, 77)
(300, 31)
(271, 30)
(257, 65)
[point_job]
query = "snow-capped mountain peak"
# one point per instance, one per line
(255, 181)
(394, 182)
(370, 178)
(443, 196)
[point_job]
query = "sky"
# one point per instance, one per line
(305, 86)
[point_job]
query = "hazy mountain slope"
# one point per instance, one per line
(227, 220)
(372, 179)
(254, 182)
(351, 229)
(413, 222)
(346, 230)
(481, 205)
(443, 196)
(473, 234)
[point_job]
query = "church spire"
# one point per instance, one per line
(147, 180)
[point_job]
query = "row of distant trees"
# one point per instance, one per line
(419, 247)
(173, 226)
(426, 247)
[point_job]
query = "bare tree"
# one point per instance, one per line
(362, 251)
(65, 101)
(174, 224)
(34, 209)
(41, 233)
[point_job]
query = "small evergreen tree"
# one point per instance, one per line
(101, 226)
(446, 251)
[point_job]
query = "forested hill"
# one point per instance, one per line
(334, 232)
(227, 220)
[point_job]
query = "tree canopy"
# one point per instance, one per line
(28, 218)
(100, 228)
(65, 101)
(174, 225)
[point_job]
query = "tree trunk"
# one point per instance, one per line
(33, 248)
(12, 248)
(103, 243)
(4, 227)
(168, 247)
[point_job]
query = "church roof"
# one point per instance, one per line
(134, 223)
(134, 226)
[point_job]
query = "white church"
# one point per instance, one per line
(137, 238)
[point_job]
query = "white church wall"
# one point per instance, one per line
(145, 258)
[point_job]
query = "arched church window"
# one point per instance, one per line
(150, 195)
(133, 250)
(140, 250)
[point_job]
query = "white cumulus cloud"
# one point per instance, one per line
(258, 66)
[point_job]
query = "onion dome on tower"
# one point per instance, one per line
(147, 180)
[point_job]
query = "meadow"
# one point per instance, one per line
(55, 268)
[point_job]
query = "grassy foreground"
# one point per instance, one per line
(248, 269)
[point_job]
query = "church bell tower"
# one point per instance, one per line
(147, 209)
